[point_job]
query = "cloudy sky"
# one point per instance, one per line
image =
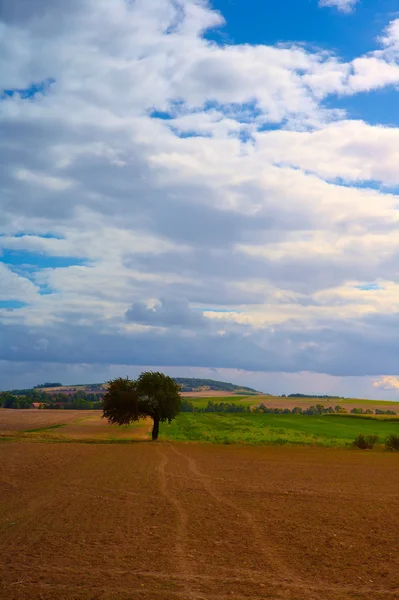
(211, 189)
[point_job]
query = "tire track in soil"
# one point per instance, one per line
(286, 577)
(277, 566)
(185, 567)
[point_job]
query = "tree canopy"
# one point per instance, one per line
(153, 395)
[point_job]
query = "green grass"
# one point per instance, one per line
(47, 428)
(202, 402)
(273, 429)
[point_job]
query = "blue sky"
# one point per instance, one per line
(210, 189)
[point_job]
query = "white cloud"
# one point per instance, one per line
(345, 6)
(353, 151)
(387, 383)
(41, 179)
(274, 230)
(15, 287)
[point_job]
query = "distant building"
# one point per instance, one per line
(36, 404)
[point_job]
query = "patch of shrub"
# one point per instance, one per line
(365, 442)
(392, 442)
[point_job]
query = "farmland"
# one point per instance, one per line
(122, 518)
(200, 400)
(251, 428)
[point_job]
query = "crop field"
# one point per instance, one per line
(165, 520)
(66, 425)
(200, 401)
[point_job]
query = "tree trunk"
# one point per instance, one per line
(155, 429)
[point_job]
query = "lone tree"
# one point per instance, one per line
(152, 395)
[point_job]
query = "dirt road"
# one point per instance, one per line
(160, 521)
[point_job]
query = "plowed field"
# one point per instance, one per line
(160, 521)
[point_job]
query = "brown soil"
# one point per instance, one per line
(161, 521)
(76, 424)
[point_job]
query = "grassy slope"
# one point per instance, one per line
(260, 429)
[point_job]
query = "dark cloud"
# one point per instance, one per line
(20, 11)
(169, 312)
(334, 348)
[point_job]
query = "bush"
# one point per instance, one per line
(365, 442)
(392, 442)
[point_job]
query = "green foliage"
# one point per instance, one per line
(365, 442)
(152, 395)
(9, 400)
(48, 385)
(159, 398)
(392, 442)
(121, 402)
(187, 406)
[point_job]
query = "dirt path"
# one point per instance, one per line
(161, 521)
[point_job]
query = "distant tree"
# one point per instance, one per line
(365, 442)
(187, 406)
(392, 442)
(153, 395)
(48, 384)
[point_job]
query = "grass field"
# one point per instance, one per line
(281, 429)
(110, 520)
(202, 401)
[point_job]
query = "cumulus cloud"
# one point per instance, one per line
(345, 6)
(387, 383)
(188, 178)
(15, 287)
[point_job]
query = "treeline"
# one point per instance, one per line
(319, 409)
(34, 398)
(8, 400)
(47, 384)
(325, 397)
(215, 407)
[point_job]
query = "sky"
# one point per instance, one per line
(208, 189)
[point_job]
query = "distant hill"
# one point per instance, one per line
(192, 384)
(188, 384)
